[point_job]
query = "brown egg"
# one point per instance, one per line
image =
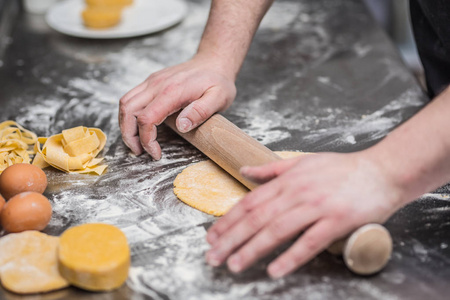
(26, 211)
(2, 202)
(21, 178)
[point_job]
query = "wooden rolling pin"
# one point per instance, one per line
(366, 251)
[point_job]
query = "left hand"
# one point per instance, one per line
(325, 196)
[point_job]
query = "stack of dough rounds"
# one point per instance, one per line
(29, 263)
(14, 143)
(94, 257)
(74, 150)
(100, 14)
(100, 18)
(108, 3)
(208, 188)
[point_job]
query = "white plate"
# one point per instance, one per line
(143, 17)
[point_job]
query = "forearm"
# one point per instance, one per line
(229, 32)
(416, 155)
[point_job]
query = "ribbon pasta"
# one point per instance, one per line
(73, 151)
(15, 142)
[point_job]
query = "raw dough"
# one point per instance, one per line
(208, 188)
(14, 143)
(100, 14)
(108, 3)
(28, 263)
(94, 257)
(101, 17)
(74, 150)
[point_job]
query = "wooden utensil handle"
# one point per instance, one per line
(231, 148)
(226, 145)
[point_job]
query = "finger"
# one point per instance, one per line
(244, 206)
(246, 228)
(127, 119)
(200, 110)
(151, 116)
(267, 172)
(311, 243)
(133, 92)
(132, 105)
(283, 228)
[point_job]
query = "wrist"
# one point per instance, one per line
(404, 177)
(219, 63)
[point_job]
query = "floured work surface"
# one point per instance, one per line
(320, 76)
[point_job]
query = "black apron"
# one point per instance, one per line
(431, 25)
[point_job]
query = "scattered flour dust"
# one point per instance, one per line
(269, 126)
(167, 238)
(132, 65)
(368, 127)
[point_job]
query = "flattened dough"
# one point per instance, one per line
(208, 188)
(29, 263)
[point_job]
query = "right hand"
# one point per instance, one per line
(199, 86)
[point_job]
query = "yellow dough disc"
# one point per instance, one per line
(29, 264)
(108, 3)
(98, 17)
(94, 257)
(208, 188)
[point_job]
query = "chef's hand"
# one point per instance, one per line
(325, 196)
(198, 86)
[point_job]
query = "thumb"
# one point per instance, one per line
(200, 110)
(267, 172)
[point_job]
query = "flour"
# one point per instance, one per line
(394, 277)
(167, 237)
(362, 50)
(132, 65)
(129, 69)
(445, 197)
(269, 126)
(368, 127)
(273, 21)
(420, 251)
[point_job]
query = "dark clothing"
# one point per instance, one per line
(431, 25)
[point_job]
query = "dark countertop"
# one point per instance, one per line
(320, 76)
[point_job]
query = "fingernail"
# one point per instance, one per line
(135, 153)
(244, 170)
(184, 125)
(212, 259)
(211, 238)
(275, 271)
(234, 263)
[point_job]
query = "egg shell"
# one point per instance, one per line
(26, 211)
(2, 202)
(21, 178)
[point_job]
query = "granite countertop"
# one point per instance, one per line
(320, 76)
